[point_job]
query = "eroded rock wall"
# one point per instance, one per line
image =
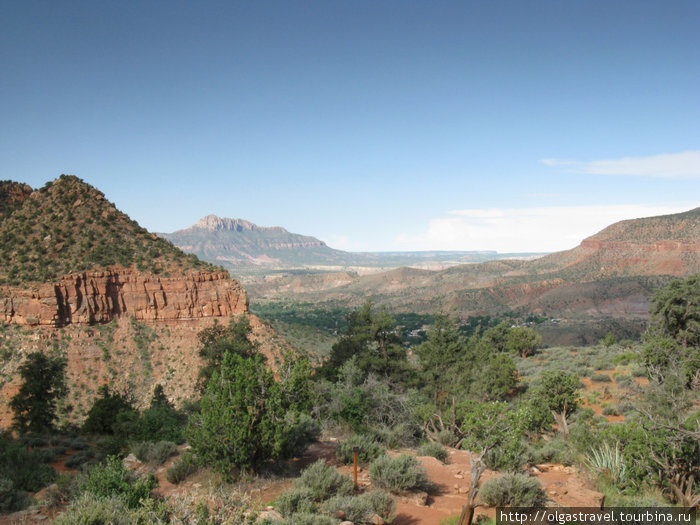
(96, 297)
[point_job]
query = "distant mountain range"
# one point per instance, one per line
(606, 280)
(246, 248)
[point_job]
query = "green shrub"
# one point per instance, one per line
(624, 381)
(295, 500)
(105, 412)
(50, 454)
(182, 468)
(360, 509)
(110, 446)
(625, 359)
(398, 474)
(601, 378)
(555, 451)
(79, 458)
(154, 453)
(513, 490)
(77, 443)
(90, 509)
(447, 438)
(301, 431)
(368, 451)
(434, 450)
(638, 371)
(610, 411)
(34, 441)
(324, 481)
(395, 435)
(112, 478)
(510, 457)
(25, 468)
(160, 423)
(11, 499)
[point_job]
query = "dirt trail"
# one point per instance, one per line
(565, 486)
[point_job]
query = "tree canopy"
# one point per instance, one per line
(44, 383)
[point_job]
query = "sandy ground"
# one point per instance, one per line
(565, 486)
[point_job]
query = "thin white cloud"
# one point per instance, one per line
(557, 162)
(545, 229)
(684, 165)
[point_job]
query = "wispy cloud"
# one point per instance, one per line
(557, 162)
(544, 229)
(684, 165)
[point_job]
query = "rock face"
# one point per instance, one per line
(97, 297)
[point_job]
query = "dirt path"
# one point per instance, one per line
(565, 486)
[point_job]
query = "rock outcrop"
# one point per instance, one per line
(97, 297)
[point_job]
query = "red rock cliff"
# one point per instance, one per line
(93, 297)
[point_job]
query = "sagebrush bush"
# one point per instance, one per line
(77, 443)
(79, 458)
(638, 371)
(295, 500)
(369, 449)
(447, 438)
(112, 478)
(301, 431)
(360, 509)
(324, 481)
(555, 451)
(181, 468)
(25, 468)
(154, 453)
(398, 474)
(610, 411)
(89, 508)
(434, 450)
(624, 381)
(511, 457)
(11, 499)
(513, 490)
(601, 378)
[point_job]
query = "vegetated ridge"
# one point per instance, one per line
(80, 278)
(606, 280)
(68, 226)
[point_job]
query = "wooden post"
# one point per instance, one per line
(355, 450)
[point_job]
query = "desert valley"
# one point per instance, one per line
(115, 344)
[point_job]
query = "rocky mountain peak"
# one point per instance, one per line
(12, 194)
(216, 223)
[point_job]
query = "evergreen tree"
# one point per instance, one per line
(241, 423)
(35, 404)
(217, 340)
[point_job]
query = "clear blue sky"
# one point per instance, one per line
(371, 125)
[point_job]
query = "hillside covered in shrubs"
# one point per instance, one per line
(625, 413)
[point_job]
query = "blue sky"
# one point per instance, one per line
(514, 126)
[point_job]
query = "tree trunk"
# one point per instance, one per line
(560, 419)
(477, 469)
(467, 515)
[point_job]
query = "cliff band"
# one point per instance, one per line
(100, 296)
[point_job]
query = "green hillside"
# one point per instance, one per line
(68, 226)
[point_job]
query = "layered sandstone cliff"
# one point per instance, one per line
(96, 297)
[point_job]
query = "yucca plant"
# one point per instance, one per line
(609, 463)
